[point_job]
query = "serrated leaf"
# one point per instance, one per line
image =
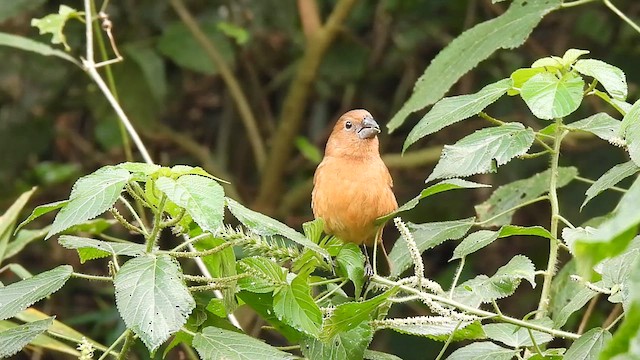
(216, 343)
(515, 230)
(350, 262)
(482, 151)
(22, 294)
(91, 196)
(601, 125)
(8, 220)
(349, 315)
(266, 226)
(518, 336)
(609, 179)
(14, 339)
(294, 306)
(549, 97)
(177, 171)
(630, 131)
(263, 305)
(377, 355)
(549, 62)
(570, 56)
(54, 24)
(442, 186)
(453, 109)
(511, 195)
(201, 197)
(483, 351)
(26, 44)
(139, 168)
(100, 248)
(507, 31)
(264, 275)
(474, 242)
(589, 345)
(426, 236)
(152, 298)
(611, 77)
(41, 210)
(345, 345)
(520, 76)
(567, 296)
(437, 328)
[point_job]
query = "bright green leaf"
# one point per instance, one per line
(91, 196)
(549, 97)
(520, 76)
(609, 179)
(426, 236)
(611, 77)
(601, 124)
(41, 210)
(152, 298)
(550, 63)
(264, 275)
(507, 31)
(451, 110)
(518, 336)
(308, 150)
(483, 351)
(14, 339)
(54, 24)
(22, 294)
(482, 151)
(630, 132)
(350, 262)
(216, 343)
(589, 345)
(570, 56)
(294, 306)
(515, 230)
(237, 33)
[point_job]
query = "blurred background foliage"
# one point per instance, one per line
(55, 125)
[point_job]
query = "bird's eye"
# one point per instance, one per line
(348, 125)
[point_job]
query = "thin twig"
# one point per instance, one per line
(587, 314)
(622, 15)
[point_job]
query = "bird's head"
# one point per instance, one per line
(355, 135)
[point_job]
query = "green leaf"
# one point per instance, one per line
(91, 196)
(570, 56)
(152, 66)
(483, 351)
(589, 345)
(609, 179)
(263, 305)
(350, 262)
(482, 151)
(550, 63)
(611, 77)
(453, 109)
(54, 24)
(294, 306)
(264, 275)
(345, 345)
(515, 230)
(203, 198)
(23, 43)
(549, 97)
(308, 150)
(567, 296)
(503, 283)
(152, 298)
(601, 125)
(442, 186)
(474, 242)
(630, 131)
(23, 238)
(520, 76)
(139, 168)
(507, 31)
(349, 315)
(427, 236)
(518, 336)
(514, 194)
(22, 294)
(89, 249)
(377, 355)
(179, 45)
(14, 339)
(8, 221)
(237, 33)
(41, 210)
(216, 343)
(437, 328)
(266, 226)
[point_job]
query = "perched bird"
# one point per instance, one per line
(352, 186)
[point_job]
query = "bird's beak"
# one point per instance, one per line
(369, 128)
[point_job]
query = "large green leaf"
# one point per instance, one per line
(426, 237)
(609, 179)
(215, 343)
(266, 226)
(294, 306)
(8, 221)
(450, 110)
(512, 195)
(349, 315)
(601, 125)
(41, 210)
(481, 238)
(567, 296)
(90, 249)
(345, 345)
(152, 298)
(438, 328)
(14, 339)
(549, 97)
(630, 131)
(589, 345)
(22, 294)
(518, 336)
(507, 31)
(203, 198)
(23, 43)
(350, 261)
(611, 77)
(262, 304)
(91, 196)
(483, 351)
(483, 150)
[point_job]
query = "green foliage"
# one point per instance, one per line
(14, 339)
(216, 343)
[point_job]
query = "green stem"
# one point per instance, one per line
(151, 239)
(545, 295)
(128, 341)
(622, 15)
(457, 277)
(474, 311)
(589, 181)
(91, 277)
(114, 344)
(448, 342)
(575, 3)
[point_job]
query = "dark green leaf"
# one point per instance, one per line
(263, 305)
(294, 306)
(609, 179)
(350, 262)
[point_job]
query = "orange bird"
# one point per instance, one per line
(352, 186)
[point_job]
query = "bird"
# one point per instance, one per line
(352, 186)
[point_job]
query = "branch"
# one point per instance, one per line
(246, 115)
(295, 106)
(309, 17)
